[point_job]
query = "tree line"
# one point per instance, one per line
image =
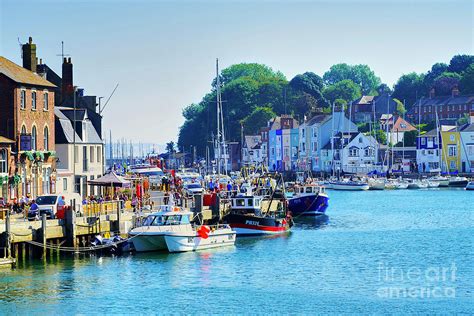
(254, 93)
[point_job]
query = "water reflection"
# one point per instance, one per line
(307, 222)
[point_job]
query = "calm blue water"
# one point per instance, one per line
(380, 252)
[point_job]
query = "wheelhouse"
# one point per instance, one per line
(246, 202)
(309, 189)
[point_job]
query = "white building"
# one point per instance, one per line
(351, 152)
(252, 151)
(467, 145)
(86, 162)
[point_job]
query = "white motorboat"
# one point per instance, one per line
(349, 185)
(458, 181)
(433, 184)
(151, 235)
(204, 237)
(470, 186)
(376, 184)
(401, 184)
(443, 181)
(417, 184)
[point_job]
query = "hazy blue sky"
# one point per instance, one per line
(163, 53)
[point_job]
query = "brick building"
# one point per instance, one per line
(27, 117)
(450, 108)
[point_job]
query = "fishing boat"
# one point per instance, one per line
(417, 184)
(247, 217)
(470, 186)
(199, 238)
(458, 181)
(308, 200)
(150, 236)
(348, 185)
(376, 184)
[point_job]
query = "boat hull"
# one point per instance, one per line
(470, 186)
(350, 187)
(249, 225)
(177, 242)
(150, 242)
(308, 205)
(460, 183)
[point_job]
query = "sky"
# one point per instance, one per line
(162, 53)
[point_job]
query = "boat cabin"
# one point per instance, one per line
(308, 189)
(246, 204)
(168, 215)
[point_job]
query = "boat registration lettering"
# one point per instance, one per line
(255, 223)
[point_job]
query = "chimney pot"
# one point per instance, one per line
(69, 60)
(30, 40)
(41, 61)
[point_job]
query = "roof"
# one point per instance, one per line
(275, 123)
(318, 119)
(253, 141)
(4, 140)
(365, 99)
(22, 75)
(467, 127)
(65, 131)
(402, 125)
(110, 179)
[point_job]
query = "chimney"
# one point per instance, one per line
(432, 93)
(29, 55)
(455, 91)
(67, 87)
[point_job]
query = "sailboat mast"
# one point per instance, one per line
(218, 92)
(332, 140)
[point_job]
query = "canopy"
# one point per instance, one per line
(111, 179)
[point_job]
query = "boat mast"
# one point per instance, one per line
(218, 147)
(332, 140)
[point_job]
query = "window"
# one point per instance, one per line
(46, 138)
(34, 134)
(369, 152)
(23, 99)
(303, 147)
(470, 150)
(423, 141)
(3, 161)
(99, 154)
(452, 151)
(33, 100)
(91, 154)
(45, 101)
(452, 164)
(85, 166)
(23, 130)
(76, 156)
(353, 152)
(65, 184)
(315, 146)
(360, 140)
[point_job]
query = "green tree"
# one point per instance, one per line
(257, 119)
(409, 87)
(410, 138)
(459, 63)
(257, 72)
(171, 147)
(361, 75)
(346, 90)
(436, 70)
(445, 83)
(383, 89)
(466, 84)
(400, 107)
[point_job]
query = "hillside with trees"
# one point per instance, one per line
(254, 93)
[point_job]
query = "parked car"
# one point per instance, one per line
(193, 188)
(49, 205)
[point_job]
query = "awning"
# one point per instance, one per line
(111, 179)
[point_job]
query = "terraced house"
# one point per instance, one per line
(27, 118)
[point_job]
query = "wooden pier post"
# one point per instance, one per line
(118, 217)
(71, 225)
(8, 232)
(43, 234)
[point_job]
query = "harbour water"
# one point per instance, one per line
(404, 251)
